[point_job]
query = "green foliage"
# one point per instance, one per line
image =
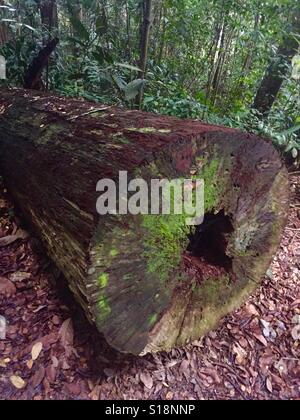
(206, 58)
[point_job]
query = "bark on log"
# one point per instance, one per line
(147, 282)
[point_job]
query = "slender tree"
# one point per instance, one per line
(278, 68)
(49, 15)
(3, 30)
(144, 42)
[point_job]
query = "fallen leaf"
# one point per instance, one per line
(281, 366)
(55, 361)
(74, 388)
(19, 276)
(51, 373)
(296, 332)
(2, 328)
(7, 240)
(269, 385)
(38, 377)
(17, 382)
(95, 394)
(211, 373)
(296, 319)
(169, 395)
(47, 341)
(184, 366)
(240, 354)
(265, 362)
(36, 350)
(7, 288)
(56, 320)
(252, 310)
(65, 365)
(66, 333)
(147, 380)
(261, 339)
(29, 364)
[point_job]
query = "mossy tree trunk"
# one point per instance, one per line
(148, 282)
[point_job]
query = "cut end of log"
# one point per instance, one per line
(149, 282)
(162, 283)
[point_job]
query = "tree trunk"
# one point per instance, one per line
(278, 69)
(49, 19)
(33, 75)
(149, 282)
(3, 29)
(144, 43)
(49, 15)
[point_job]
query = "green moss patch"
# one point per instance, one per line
(215, 291)
(212, 185)
(166, 239)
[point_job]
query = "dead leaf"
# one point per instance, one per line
(296, 319)
(66, 333)
(147, 380)
(36, 350)
(251, 310)
(7, 240)
(7, 288)
(261, 339)
(51, 373)
(281, 366)
(56, 320)
(95, 394)
(73, 388)
(17, 382)
(169, 395)
(38, 377)
(3, 363)
(265, 362)
(55, 361)
(240, 354)
(19, 276)
(211, 373)
(65, 365)
(29, 364)
(184, 366)
(2, 328)
(296, 332)
(269, 385)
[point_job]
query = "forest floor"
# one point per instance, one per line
(49, 351)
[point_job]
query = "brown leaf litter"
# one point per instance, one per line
(51, 352)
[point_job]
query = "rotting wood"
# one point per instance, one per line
(147, 282)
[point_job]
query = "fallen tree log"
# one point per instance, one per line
(148, 282)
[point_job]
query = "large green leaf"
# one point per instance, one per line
(101, 24)
(290, 130)
(79, 28)
(128, 66)
(133, 88)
